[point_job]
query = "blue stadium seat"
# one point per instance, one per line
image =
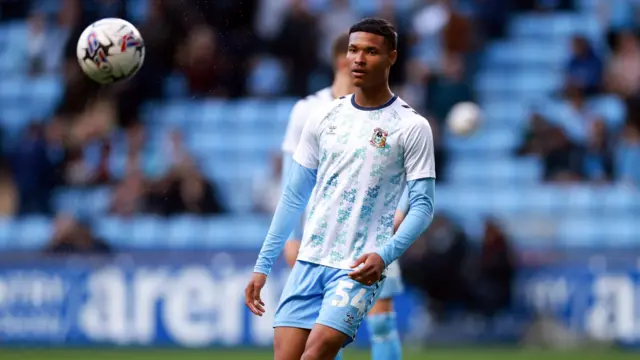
(147, 231)
(183, 231)
(556, 25)
(522, 83)
(33, 232)
(7, 238)
(116, 231)
(508, 112)
(495, 171)
(137, 10)
(489, 142)
(611, 108)
(527, 53)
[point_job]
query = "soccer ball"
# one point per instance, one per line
(110, 50)
(464, 118)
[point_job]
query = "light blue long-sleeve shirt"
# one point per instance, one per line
(297, 191)
(300, 182)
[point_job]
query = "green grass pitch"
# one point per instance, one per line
(241, 354)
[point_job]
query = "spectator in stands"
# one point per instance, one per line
(490, 285)
(129, 195)
(623, 69)
(8, 191)
(33, 171)
(435, 264)
(75, 237)
(267, 187)
(598, 161)
(584, 69)
(560, 157)
(183, 189)
(203, 64)
(296, 45)
(627, 157)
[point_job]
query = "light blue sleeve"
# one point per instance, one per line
(421, 207)
(298, 188)
(287, 162)
(403, 204)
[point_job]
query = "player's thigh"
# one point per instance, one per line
(302, 297)
(346, 303)
(291, 249)
(382, 306)
(392, 285)
(324, 342)
(289, 343)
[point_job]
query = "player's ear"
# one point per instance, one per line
(393, 56)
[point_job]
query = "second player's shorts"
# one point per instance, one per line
(393, 285)
(323, 295)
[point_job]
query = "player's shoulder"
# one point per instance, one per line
(311, 101)
(331, 107)
(409, 116)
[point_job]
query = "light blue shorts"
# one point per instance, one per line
(393, 285)
(316, 294)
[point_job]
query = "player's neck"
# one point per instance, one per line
(342, 85)
(374, 96)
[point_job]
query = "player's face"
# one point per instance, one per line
(369, 58)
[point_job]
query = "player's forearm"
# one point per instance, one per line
(300, 183)
(421, 208)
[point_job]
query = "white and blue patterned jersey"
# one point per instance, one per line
(364, 156)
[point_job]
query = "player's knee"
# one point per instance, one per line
(316, 352)
(382, 326)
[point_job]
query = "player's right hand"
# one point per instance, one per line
(252, 293)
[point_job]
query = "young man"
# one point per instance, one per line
(382, 327)
(353, 160)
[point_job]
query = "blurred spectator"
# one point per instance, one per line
(267, 187)
(33, 171)
(296, 45)
(584, 69)
(74, 237)
(9, 197)
(448, 87)
(627, 156)
(457, 34)
(333, 22)
(183, 189)
(492, 16)
(572, 139)
(128, 196)
(561, 158)
(435, 262)
(202, 63)
(598, 162)
(490, 285)
(623, 69)
(406, 39)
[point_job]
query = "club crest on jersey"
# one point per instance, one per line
(349, 319)
(379, 138)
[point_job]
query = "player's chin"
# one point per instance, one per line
(358, 82)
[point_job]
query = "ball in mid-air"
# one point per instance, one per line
(110, 50)
(464, 118)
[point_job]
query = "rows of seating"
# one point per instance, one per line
(234, 139)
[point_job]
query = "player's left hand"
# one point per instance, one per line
(371, 270)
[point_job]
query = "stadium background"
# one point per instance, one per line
(132, 214)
